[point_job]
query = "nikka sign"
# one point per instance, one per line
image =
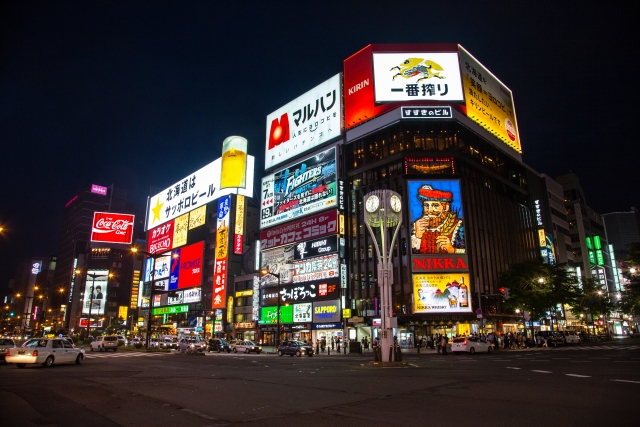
(439, 263)
(112, 228)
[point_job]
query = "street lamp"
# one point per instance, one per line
(265, 272)
(93, 289)
(383, 210)
(153, 283)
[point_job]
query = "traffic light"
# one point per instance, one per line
(504, 292)
(11, 314)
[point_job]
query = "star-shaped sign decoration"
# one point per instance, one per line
(156, 210)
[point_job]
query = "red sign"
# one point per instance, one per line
(95, 324)
(298, 231)
(160, 239)
(359, 97)
(219, 283)
(237, 244)
(112, 228)
(190, 271)
(439, 263)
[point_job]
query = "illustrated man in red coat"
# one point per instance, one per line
(438, 230)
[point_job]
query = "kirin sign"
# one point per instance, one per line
(112, 227)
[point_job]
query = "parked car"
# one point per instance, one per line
(121, 340)
(294, 348)
(571, 337)
(244, 346)
(104, 343)
(5, 345)
(134, 341)
(471, 345)
(219, 345)
(46, 351)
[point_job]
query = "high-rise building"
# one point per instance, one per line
(623, 228)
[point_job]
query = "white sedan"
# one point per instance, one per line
(245, 347)
(471, 345)
(45, 351)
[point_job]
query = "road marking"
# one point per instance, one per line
(626, 361)
(626, 381)
(561, 358)
(412, 365)
(542, 372)
(511, 367)
(578, 376)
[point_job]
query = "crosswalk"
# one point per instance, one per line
(589, 347)
(121, 354)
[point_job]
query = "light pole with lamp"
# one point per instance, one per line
(153, 283)
(93, 290)
(383, 211)
(265, 272)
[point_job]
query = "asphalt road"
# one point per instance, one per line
(586, 386)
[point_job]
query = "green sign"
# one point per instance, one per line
(589, 243)
(596, 242)
(173, 309)
(268, 315)
(599, 257)
(592, 257)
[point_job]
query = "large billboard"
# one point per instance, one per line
(281, 261)
(436, 217)
(304, 123)
(95, 292)
(194, 191)
(186, 267)
(488, 101)
(173, 234)
(301, 292)
(307, 228)
(417, 76)
(222, 248)
(441, 293)
(304, 188)
(112, 227)
(326, 311)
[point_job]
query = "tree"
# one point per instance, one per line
(594, 300)
(538, 288)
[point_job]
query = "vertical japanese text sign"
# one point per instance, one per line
(222, 244)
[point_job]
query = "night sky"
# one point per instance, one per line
(141, 95)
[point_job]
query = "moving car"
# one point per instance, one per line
(5, 344)
(219, 345)
(244, 346)
(104, 343)
(572, 338)
(46, 351)
(471, 345)
(191, 344)
(297, 348)
(169, 343)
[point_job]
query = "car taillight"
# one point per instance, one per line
(465, 342)
(8, 353)
(35, 353)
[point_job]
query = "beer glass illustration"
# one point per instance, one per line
(234, 162)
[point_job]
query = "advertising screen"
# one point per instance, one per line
(297, 231)
(192, 192)
(318, 268)
(305, 123)
(98, 189)
(95, 292)
(112, 228)
(417, 76)
(186, 266)
(269, 315)
(278, 261)
(302, 313)
(435, 214)
(441, 293)
(162, 268)
(489, 102)
(222, 247)
(313, 248)
(326, 311)
(304, 188)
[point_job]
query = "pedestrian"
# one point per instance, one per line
(444, 342)
(429, 341)
(438, 346)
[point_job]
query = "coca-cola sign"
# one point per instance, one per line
(112, 228)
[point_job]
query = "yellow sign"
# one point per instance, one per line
(240, 214)
(346, 313)
(135, 288)
(123, 312)
(180, 228)
(441, 293)
(542, 238)
(341, 224)
(245, 293)
(197, 217)
(230, 310)
(488, 101)
(234, 162)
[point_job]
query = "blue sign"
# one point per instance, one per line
(327, 325)
(192, 322)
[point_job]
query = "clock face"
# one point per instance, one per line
(396, 204)
(372, 203)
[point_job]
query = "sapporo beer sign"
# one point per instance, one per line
(112, 228)
(304, 188)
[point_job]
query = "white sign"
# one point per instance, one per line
(195, 190)
(192, 295)
(95, 291)
(417, 76)
(302, 312)
(319, 268)
(162, 267)
(306, 122)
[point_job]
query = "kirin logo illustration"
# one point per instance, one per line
(279, 131)
(412, 67)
